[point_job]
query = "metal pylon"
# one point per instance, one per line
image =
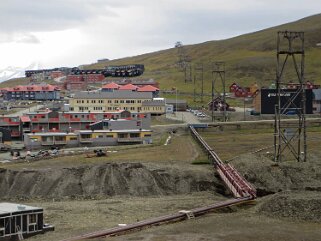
(199, 82)
(218, 74)
(290, 45)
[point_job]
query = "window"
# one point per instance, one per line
(122, 101)
(139, 101)
(132, 108)
(60, 138)
(32, 219)
(47, 138)
(2, 227)
(73, 138)
(116, 101)
(147, 135)
(122, 135)
(100, 136)
(85, 136)
(109, 101)
(110, 136)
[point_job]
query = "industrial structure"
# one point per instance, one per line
(290, 45)
(198, 82)
(218, 75)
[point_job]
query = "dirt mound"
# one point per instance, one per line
(295, 205)
(108, 179)
(269, 177)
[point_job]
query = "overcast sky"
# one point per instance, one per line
(74, 32)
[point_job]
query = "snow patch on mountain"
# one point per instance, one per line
(11, 72)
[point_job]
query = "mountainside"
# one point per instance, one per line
(11, 76)
(11, 73)
(248, 58)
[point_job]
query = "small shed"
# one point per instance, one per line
(20, 221)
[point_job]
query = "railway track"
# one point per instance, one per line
(242, 190)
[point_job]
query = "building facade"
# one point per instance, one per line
(112, 101)
(101, 133)
(33, 92)
(53, 121)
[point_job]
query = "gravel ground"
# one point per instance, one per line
(231, 224)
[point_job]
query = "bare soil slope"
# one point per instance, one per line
(107, 180)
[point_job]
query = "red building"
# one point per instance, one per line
(93, 78)
(128, 87)
(110, 87)
(80, 82)
(56, 74)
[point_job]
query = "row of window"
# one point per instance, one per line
(153, 108)
(86, 136)
(108, 101)
(29, 92)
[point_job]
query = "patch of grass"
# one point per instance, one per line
(181, 150)
(162, 120)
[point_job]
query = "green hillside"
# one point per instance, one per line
(249, 58)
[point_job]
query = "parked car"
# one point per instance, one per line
(253, 112)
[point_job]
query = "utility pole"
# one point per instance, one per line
(290, 45)
(184, 61)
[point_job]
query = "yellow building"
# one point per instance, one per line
(117, 100)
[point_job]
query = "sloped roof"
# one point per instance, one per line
(147, 88)
(111, 85)
(128, 87)
(25, 119)
(47, 87)
(117, 94)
